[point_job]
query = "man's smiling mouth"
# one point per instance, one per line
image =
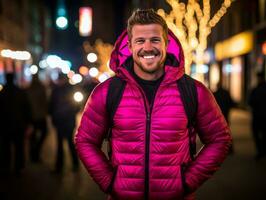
(149, 56)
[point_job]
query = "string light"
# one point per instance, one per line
(192, 25)
(104, 52)
(189, 22)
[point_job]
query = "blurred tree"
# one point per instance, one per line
(104, 52)
(192, 24)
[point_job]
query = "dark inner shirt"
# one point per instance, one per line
(149, 87)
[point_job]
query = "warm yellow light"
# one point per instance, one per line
(83, 70)
(227, 3)
(160, 12)
(264, 48)
(104, 51)
(192, 25)
(214, 76)
(194, 43)
(182, 6)
(235, 79)
(237, 45)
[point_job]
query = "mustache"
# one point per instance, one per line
(155, 52)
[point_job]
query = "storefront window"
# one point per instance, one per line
(236, 79)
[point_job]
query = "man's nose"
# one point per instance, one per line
(147, 45)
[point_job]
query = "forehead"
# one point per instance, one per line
(147, 30)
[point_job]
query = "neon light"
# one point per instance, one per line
(85, 21)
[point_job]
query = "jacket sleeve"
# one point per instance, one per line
(214, 133)
(89, 138)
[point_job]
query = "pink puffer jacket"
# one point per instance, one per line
(150, 147)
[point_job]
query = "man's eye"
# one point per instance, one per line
(155, 40)
(139, 41)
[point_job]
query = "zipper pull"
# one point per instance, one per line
(148, 116)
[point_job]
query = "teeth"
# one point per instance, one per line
(148, 57)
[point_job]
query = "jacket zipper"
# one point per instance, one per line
(147, 155)
(148, 109)
(147, 144)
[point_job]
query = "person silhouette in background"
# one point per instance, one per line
(63, 112)
(224, 100)
(88, 85)
(257, 101)
(15, 118)
(39, 107)
(226, 103)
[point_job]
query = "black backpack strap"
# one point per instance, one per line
(114, 95)
(189, 97)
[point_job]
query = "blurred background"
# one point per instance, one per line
(50, 46)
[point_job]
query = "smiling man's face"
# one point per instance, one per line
(148, 49)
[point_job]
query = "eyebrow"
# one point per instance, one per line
(156, 38)
(139, 38)
(142, 38)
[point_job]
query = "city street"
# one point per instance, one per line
(241, 177)
(53, 53)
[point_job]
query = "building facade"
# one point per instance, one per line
(238, 39)
(24, 28)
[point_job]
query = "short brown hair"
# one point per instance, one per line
(144, 17)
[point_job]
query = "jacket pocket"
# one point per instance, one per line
(178, 185)
(182, 173)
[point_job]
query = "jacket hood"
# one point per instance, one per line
(174, 64)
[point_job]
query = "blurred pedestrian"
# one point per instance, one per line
(226, 103)
(63, 112)
(15, 117)
(224, 100)
(39, 107)
(151, 140)
(88, 85)
(257, 102)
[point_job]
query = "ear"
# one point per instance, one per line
(167, 42)
(129, 46)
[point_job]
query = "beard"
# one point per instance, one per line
(155, 66)
(149, 70)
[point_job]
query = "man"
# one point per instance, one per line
(224, 100)
(15, 118)
(39, 107)
(63, 110)
(257, 102)
(226, 103)
(150, 143)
